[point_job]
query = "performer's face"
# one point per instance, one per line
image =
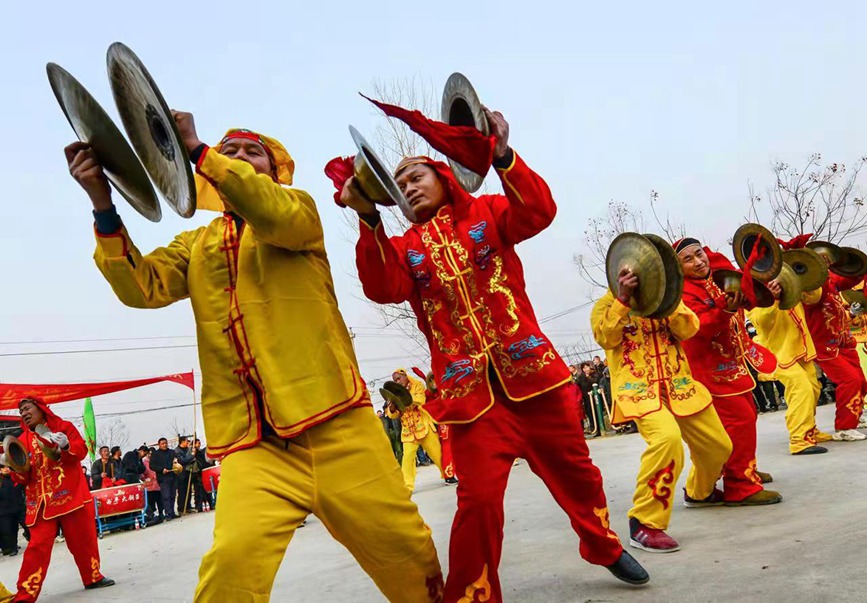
(250, 151)
(695, 263)
(422, 188)
(31, 414)
(400, 379)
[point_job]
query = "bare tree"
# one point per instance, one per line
(620, 217)
(598, 235)
(177, 429)
(672, 230)
(581, 349)
(822, 199)
(114, 433)
(394, 141)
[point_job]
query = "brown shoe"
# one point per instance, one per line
(762, 497)
(766, 478)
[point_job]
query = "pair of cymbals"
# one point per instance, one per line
(660, 276)
(843, 261)
(730, 282)
(150, 126)
(808, 266)
(752, 236)
(461, 107)
(396, 394)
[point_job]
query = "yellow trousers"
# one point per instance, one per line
(342, 471)
(802, 395)
(662, 461)
(431, 445)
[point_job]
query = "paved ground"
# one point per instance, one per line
(809, 548)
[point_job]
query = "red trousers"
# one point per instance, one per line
(448, 457)
(846, 373)
(545, 431)
(738, 415)
(79, 530)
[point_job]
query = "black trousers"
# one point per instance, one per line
(199, 491)
(9, 532)
(155, 503)
(168, 492)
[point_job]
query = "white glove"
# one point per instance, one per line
(3, 459)
(59, 438)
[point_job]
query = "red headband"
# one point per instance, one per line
(249, 135)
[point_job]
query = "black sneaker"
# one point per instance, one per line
(451, 480)
(715, 499)
(626, 568)
(811, 450)
(103, 583)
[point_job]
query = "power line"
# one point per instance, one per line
(62, 352)
(100, 339)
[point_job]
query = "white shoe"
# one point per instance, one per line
(862, 423)
(849, 435)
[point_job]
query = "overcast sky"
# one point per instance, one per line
(605, 100)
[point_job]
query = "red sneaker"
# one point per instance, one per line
(651, 539)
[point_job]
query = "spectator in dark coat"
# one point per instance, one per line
(162, 461)
(11, 510)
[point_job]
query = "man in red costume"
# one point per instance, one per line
(718, 356)
(57, 497)
(503, 388)
(829, 324)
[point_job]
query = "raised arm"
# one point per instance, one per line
(527, 207)
(277, 214)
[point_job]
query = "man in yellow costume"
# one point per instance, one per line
(417, 428)
(283, 402)
(651, 384)
(786, 334)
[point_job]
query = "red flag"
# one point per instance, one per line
(463, 144)
(798, 242)
(747, 286)
(339, 170)
(12, 393)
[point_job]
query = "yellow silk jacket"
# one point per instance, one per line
(415, 421)
(272, 342)
(785, 332)
(647, 364)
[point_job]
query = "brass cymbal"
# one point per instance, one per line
(853, 262)
(636, 252)
(808, 266)
(396, 394)
(673, 277)
(855, 296)
(730, 282)
(743, 241)
(151, 129)
(832, 253)
(16, 455)
(92, 125)
(376, 182)
(461, 107)
(791, 286)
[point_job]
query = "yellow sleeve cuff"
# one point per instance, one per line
(115, 245)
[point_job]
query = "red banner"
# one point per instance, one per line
(12, 393)
(116, 500)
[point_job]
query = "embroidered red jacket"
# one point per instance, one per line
(465, 282)
(719, 352)
(57, 487)
(828, 320)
